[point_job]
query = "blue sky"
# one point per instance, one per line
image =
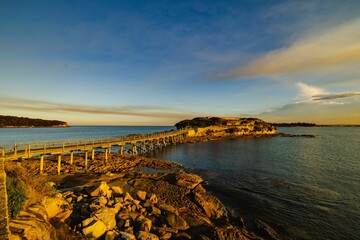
(158, 62)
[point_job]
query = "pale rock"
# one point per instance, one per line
(141, 195)
(117, 191)
(94, 228)
(148, 203)
(166, 207)
(56, 205)
(142, 235)
(102, 201)
(187, 180)
(176, 222)
(128, 197)
(155, 211)
(153, 198)
(118, 206)
(211, 205)
(101, 190)
(107, 216)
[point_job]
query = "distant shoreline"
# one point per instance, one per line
(35, 126)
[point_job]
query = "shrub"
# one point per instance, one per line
(23, 188)
(232, 130)
(16, 195)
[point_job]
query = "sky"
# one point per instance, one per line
(91, 62)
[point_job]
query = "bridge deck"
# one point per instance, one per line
(26, 150)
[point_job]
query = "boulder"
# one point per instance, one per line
(143, 224)
(176, 222)
(141, 195)
(100, 190)
(166, 207)
(211, 205)
(128, 197)
(141, 235)
(93, 228)
(30, 225)
(187, 180)
(107, 216)
(126, 236)
(117, 191)
(57, 206)
(153, 198)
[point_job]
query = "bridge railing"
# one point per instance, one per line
(12, 147)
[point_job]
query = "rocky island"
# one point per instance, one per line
(24, 122)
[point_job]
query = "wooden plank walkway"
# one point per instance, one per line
(4, 216)
(26, 150)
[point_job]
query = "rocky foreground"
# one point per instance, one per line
(128, 197)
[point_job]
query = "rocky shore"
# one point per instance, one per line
(128, 197)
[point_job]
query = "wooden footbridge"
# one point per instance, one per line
(134, 144)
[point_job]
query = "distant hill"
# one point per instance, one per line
(22, 122)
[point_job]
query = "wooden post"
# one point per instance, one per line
(15, 150)
(71, 158)
(63, 147)
(106, 155)
(41, 164)
(3, 152)
(121, 150)
(44, 148)
(93, 154)
(59, 165)
(29, 154)
(86, 160)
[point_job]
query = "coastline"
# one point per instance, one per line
(180, 194)
(212, 219)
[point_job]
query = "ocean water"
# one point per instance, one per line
(305, 188)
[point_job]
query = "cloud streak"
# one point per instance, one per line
(46, 106)
(332, 96)
(339, 45)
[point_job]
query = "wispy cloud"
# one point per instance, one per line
(46, 106)
(339, 45)
(315, 104)
(319, 97)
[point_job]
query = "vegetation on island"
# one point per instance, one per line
(222, 126)
(12, 121)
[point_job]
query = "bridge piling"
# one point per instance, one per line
(29, 149)
(41, 164)
(59, 164)
(86, 160)
(93, 154)
(71, 158)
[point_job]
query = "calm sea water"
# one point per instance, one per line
(305, 188)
